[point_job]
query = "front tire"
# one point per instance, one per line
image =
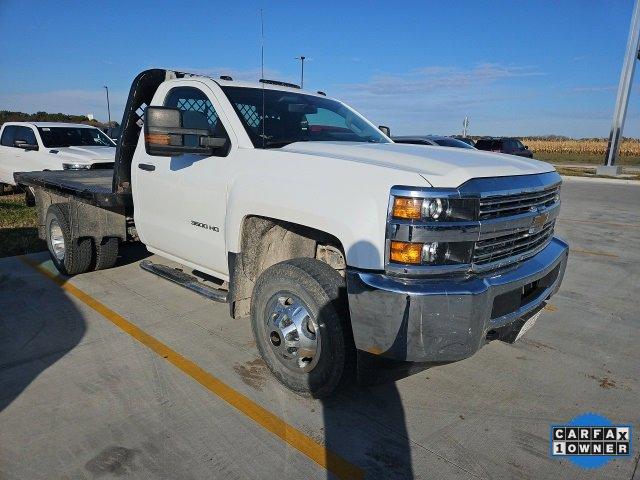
(70, 256)
(300, 323)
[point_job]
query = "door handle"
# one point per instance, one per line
(146, 167)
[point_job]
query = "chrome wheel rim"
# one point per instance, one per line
(292, 333)
(56, 239)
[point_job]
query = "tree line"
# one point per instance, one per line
(9, 116)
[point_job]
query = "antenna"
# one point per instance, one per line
(262, 71)
(261, 45)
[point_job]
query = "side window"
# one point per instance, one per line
(197, 112)
(8, 136)
(26, 134)
(197, 108)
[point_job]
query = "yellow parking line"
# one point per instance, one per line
(550, 308)
(590, 252)
(267, 420)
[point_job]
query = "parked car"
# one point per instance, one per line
(337, 243)
(433, 140)
(468, 140)
(26, 146)
(509, 145)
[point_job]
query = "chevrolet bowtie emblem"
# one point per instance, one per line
(538, 222)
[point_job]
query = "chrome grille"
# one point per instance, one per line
(507, 205)
(511, 245)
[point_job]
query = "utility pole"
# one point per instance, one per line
(108, 106)
(622, 100)
(301, 58)
(465, 127)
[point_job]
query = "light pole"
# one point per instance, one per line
(465, 127)
(301, 58)
(622, 101)
(108, 106)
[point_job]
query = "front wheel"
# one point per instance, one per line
(300, 324)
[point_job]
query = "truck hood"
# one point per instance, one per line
(86, 154)
(440, 166)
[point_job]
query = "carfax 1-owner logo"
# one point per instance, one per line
(590, 440)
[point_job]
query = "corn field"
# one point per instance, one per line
(629, 147)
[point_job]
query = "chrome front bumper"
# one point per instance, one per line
(437, 320)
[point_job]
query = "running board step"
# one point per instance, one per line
(184, 280)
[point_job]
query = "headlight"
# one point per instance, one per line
(433, 209)
(431, 253)
(76, 166)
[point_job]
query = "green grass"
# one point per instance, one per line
(582, 158)
(18, 227)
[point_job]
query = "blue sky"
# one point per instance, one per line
(514, 67)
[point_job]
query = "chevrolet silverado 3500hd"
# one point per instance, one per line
(332, 238)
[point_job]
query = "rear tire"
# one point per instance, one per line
(30, 197)
(106, 253)
(70, 256)
(300, 323)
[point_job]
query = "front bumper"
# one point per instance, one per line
(439, 320)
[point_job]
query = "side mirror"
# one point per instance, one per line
(166, 136)
(385, 130)
(24, 145)
(526, 147)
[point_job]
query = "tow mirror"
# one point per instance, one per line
(24, 145)
(385, 130)
(166, 135)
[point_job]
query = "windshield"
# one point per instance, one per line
(53, 137)
(287, 117)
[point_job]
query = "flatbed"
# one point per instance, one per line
(89, 186)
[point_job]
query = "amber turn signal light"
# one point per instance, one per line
(157, 139)
(404, 252)
(407, 208)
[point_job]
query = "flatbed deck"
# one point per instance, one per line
(90, 186)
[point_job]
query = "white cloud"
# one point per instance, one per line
(435, 99)
(440, 78)
(594, 89)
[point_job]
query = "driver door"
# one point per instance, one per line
(180, 201)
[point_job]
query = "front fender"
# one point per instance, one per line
(356, 218)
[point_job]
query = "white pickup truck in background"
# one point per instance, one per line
(337, 242)
(29, 146)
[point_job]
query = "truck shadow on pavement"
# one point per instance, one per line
(365, 421)
(38, 326)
